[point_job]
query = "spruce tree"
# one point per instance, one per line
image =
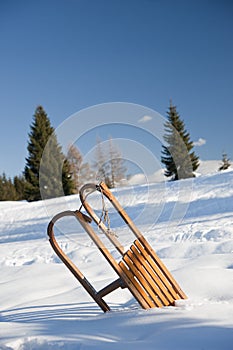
(225, 162)
(7, 189)
(19, 184)
(67, 181)
(180, 162)
(53, 170)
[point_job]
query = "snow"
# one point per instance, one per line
(188, 223)
(206, 167)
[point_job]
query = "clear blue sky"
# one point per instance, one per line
(71, 54)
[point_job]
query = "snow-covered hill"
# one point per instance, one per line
(206, 167)
(190, 225)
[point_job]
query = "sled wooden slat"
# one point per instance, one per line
(141, 264)
(162, 281)
(169, 300)
(160, 269)
(138, 273)
(140, 269)
(144, 300)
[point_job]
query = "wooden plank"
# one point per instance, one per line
(143, 281)
(149, 281)
(143, 261)
(143, 299)
(111, 287)
(157, 270)
(140, 266)
(171, 279)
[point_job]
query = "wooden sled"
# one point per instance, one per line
(140, 270)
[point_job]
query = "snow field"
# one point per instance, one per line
(190, 226)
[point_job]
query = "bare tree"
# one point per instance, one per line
(81, 172)
(109, 164)
(117, 165)
(99, 164)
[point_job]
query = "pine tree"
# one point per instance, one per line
(7, 189)
(225, 162)
(19, 184)
(53, 170)
(180, 162)
(67, 182)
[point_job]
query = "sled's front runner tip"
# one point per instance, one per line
(140, 269)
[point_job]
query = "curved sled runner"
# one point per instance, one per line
(140, 269)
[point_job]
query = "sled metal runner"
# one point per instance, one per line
(140, 269)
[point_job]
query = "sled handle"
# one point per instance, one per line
(84, 192)
(103, 188)
(84, 220)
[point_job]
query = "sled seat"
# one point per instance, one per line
(148, 277)
(140, 269)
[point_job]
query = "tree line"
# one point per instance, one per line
(72, 172)
(48, 170)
